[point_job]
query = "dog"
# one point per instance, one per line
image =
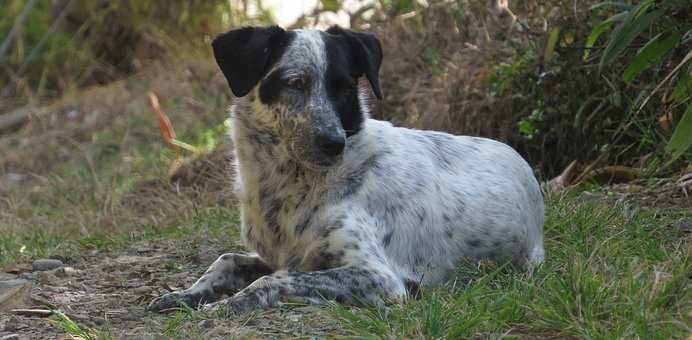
(336, 206)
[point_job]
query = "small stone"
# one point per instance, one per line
(206, 324)
(142, 290)
(685, 225)
(7, 276)
(143, 250)
(46, 264)
(14, 294)
(28, 276)
(12, 324)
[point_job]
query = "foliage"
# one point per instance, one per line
(558, 83)
(682, 137)
(664, 37)
(73, 43)
(611, 87)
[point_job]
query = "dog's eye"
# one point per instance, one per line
(297, 83)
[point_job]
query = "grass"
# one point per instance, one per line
(213, 222)
(609, 273)
(70, 327)
(105, 175)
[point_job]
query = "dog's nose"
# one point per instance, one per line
(331, 143)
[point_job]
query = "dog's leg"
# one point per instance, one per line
(346, 285)
(227, 275)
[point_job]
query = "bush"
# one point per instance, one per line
(72, 43)
(546, 84)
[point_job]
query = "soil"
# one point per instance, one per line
(107, 291)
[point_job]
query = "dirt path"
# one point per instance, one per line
(107, 292)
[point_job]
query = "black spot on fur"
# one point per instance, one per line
(354, 234)
(306, 220)
(474, 243)
(420, 214)
(418, 260)
(354, 181)
(438, 144)
(387, 238)
(351, 246)
(336, 224)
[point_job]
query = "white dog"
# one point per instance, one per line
(338, 206)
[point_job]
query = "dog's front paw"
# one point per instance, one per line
(237, 304)
(176, 300)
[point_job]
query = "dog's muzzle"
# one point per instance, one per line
(331, 141)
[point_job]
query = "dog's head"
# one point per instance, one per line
(307, 83)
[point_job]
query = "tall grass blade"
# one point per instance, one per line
(684, 61)
(599, 30)
(629, 29)
(616, 4)
(651, 54)
(682, 136)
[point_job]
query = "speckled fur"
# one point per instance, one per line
(401, 207)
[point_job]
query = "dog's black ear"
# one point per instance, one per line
(367, 51)
(246, 54)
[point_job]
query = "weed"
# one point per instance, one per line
(72, 328)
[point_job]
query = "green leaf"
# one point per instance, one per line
(402, 6)
(331, 5)
(526, 128)
(550, 45)
(682, 136)
(616, 4)
(683, 88)
(599, 29)
(651, 54)
(628, 30)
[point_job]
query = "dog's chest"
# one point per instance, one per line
(277, 212)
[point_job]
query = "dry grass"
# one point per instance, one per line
(93, 162)
(459, 67)
(437, 67)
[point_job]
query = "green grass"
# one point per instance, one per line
(70, 327)
(609, 274)
(213, 222)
